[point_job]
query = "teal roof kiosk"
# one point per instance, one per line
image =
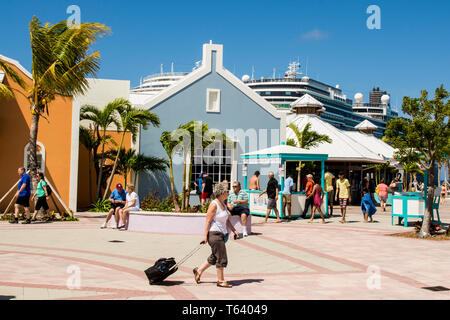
(280, 155)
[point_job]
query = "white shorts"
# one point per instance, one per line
(134, 209)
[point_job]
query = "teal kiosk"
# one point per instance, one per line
(280, 155)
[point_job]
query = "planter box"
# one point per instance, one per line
(176, 223)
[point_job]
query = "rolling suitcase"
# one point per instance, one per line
(164, 267)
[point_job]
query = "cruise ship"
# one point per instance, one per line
(339, 109)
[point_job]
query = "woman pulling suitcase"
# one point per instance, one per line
(216, 234)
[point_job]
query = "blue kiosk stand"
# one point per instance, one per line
(280, 155)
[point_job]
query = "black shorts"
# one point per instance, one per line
(117, 205)
(41, 203)
(239, 210)
(23, 201)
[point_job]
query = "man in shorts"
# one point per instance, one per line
(287, 193)
(330, 190)
(238, 205)
(308, 189)
(23, 197)
(272, 194)
(343, 192)
(118, 200)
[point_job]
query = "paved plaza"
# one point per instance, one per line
(291, 260)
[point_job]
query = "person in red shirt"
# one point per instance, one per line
(309, 199)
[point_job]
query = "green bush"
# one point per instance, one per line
(100, 206)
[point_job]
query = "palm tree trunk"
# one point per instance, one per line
(299, 177)
(114, 167)
(172, 187)
(102, 160)
(183, 202)
(90, 176)
(32, 154)
(439, 173)
(125, 176)
(426, 225)
(188, 195)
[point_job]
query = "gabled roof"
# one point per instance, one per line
(17, 64)
(366, 124)
(344, 147)
(280, 149)
(205, 69)
(306, 101)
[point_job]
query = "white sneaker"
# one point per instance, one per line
(245, 234)
(114, 226)
(103, 225)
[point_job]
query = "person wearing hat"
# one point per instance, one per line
(118, 200)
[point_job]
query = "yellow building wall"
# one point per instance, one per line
(54, 134)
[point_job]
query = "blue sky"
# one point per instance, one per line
(411, 51)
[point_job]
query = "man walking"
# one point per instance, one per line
(344, 194)
(309, 200)
(330, 190)
(118, 200)
(238, 205)
(287, 192)
(272, 193)
(23, 197)
(207, 188)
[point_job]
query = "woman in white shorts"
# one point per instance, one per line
(132, 205)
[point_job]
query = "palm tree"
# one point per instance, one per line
(305, 139)
(169, 145)
(131, 119)
(61, 62)
(130, 160)
(88, 139)
(102, 120)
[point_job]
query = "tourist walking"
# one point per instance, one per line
(287, 195)
(216, 235)
(367, 206)
(308, 189)
(382, 189)
(23, 197)
(272, 195)
(118, 200)
(254, 181)
(395, 185)
(330, 190)
(207, 188)
(41, 195)
(317, 195)
(199, 186)
(344, 194)
(132, 205)
(237, 203)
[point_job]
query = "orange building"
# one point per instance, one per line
(62, 159)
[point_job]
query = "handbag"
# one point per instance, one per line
(377, 190)
(225, 238)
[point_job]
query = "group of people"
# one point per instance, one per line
(122, 202)
(23, 195)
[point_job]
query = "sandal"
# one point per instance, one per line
(196, 275)
(223, 284)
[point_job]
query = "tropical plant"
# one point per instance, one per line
(132, 119)
(91, 143)
(169, 145)
(305, 139)
(130, 160)
(102, 119)
(61, 62)
(100, 206)
(427, 132)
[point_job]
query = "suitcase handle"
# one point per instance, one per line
(190, 254)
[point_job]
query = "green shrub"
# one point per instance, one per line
(100, 206)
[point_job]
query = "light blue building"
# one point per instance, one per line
(215, 96)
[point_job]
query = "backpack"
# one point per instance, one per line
(49, 190)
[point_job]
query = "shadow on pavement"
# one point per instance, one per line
(237, 283)
(168, 283)
(7, 297)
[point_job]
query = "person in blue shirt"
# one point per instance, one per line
(118, 200)
(199, 186)
(367, 206)
(287, 192)
(23, 196)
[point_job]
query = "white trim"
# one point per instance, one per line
(42, 153)
(217, 106)
(206, 69)
(17, 64)
(2, 76)
(234, 163)
(74, 153)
